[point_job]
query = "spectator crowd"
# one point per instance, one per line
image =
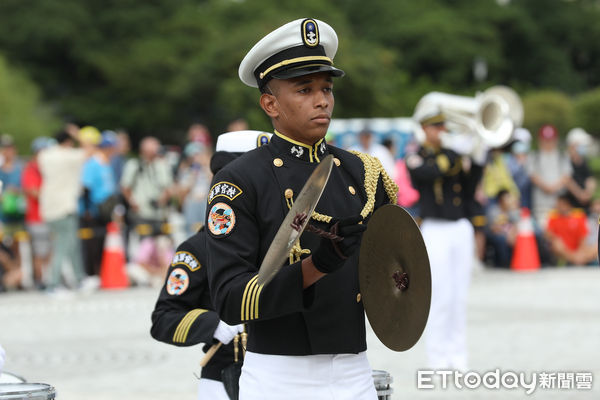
(555, 185)
(56, 202)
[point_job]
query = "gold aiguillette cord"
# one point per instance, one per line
(236, 350)
(244, 341)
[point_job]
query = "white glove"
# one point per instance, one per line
(2, 354)
(225, 333)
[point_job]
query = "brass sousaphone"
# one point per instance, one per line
(395, 278)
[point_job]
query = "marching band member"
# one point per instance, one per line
(307, 326)
(184, 315)
(446, 182)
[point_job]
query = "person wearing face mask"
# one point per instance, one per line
(582, 184)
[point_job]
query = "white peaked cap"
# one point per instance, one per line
(297, 48)
(242, 141)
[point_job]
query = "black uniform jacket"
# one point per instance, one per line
(183, 315)
(247, 204)
(447, 190)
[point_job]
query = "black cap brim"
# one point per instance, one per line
(307, 70)
(221, 159)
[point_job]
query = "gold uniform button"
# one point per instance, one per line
(336, 161)
(457, 201)
(289, 193)
(358, 297)
(351, 189)
(456, 187)
(278, 162)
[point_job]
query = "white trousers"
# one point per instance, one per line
(209, 389)
(316, 377)
(450, 246)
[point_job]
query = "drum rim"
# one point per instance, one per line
(47, 388)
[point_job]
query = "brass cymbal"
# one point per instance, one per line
(395, 278)
(287, 235)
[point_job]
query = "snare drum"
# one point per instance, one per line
(26, 391)
(382, 381)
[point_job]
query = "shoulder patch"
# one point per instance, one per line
(186, 259)
(262, 140)
(224, 189)
(221, 220)
(178, 282)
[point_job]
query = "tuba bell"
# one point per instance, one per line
(491, 115)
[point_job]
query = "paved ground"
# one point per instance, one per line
(97, 347)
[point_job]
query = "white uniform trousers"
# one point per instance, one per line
(209, 389)
(450, 246)
(315, 377)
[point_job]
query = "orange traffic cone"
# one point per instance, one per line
(525, 252)
(112, 271)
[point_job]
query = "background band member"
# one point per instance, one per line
(446, 183)
(184, 315)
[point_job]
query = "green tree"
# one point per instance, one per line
(154, 67)
(586, 109)
(548, 107)
(22, 115)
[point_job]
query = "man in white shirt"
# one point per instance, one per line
(61, 167)
(550, 170)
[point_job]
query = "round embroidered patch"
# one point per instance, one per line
(178, 282)
(221, 219)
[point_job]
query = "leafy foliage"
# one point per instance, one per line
(21, 113)
(154, 67)
(586, 109)
(547, 107)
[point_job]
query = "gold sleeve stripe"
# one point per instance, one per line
(192, 318)
(251, 292)
(260, 288)
(245, 300)
(183, 328)
(250, 300)
(250, 304)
